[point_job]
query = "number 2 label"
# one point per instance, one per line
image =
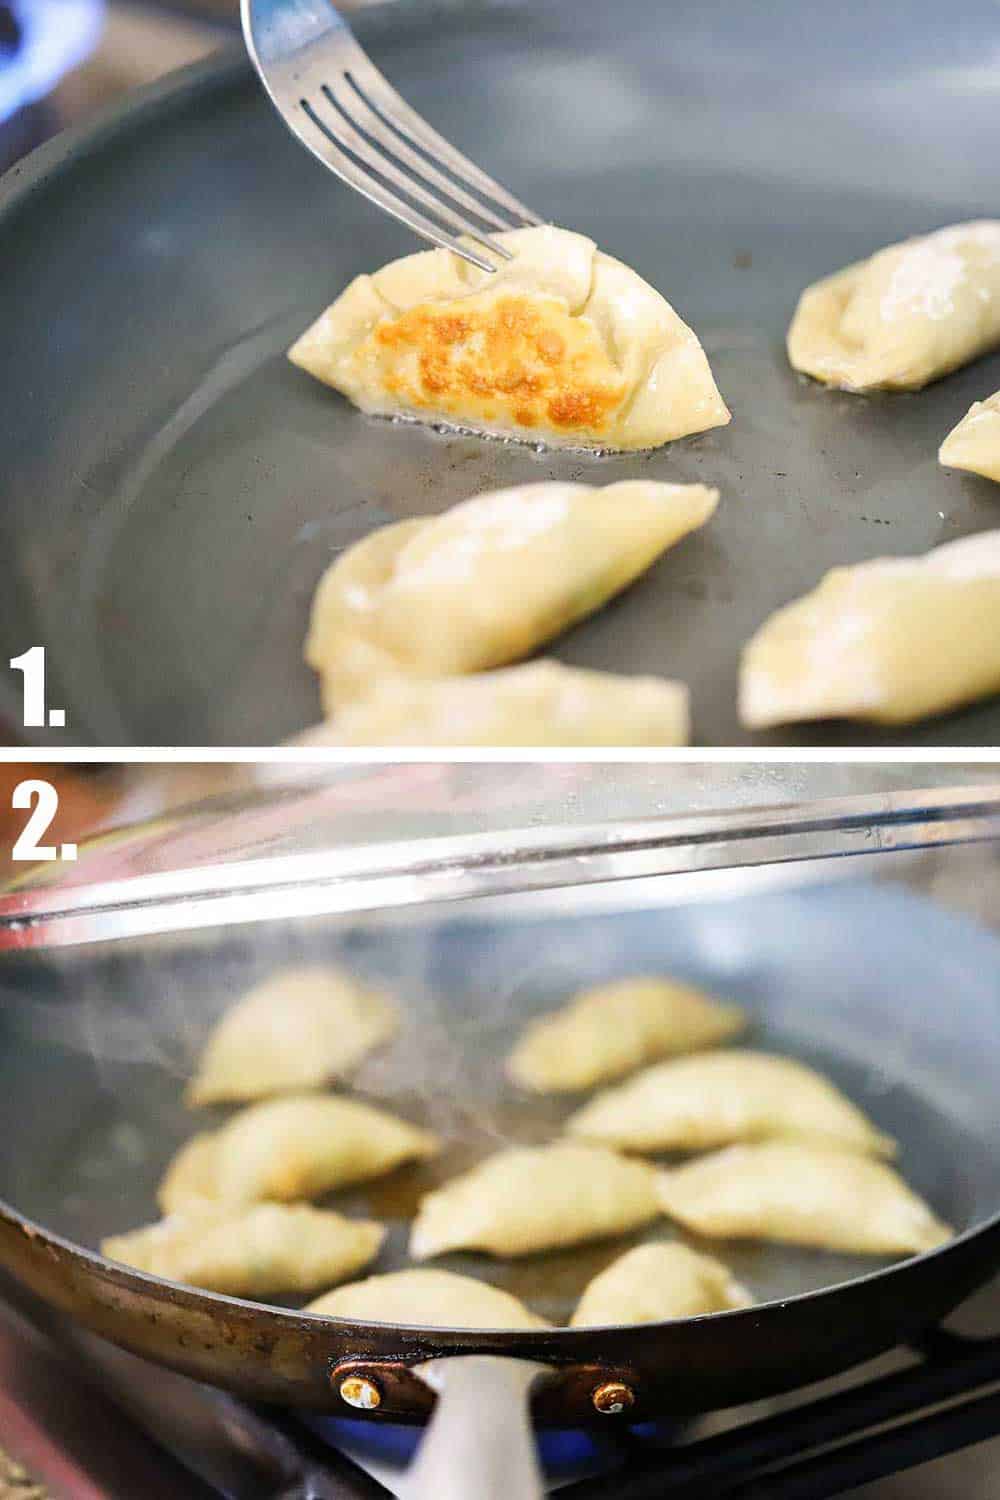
(42, 799)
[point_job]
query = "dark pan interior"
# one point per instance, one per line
(896, 999)
(172, 489)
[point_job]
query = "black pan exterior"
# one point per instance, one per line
(172, 489)
(694, 1365)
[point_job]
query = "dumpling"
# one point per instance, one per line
(655, 1282)
(298, 1146)
(490, 580)
(974, 444)
(297, 1029)
(535, 1198)
(190, 1180)
(433, 1299)
(720, 1098)
(910, 314)
(561, 344)
(538, 703)
(801, 1194)
(606, 1032)
(258, 1251)
(891, 640)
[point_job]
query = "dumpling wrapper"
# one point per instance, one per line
(296, 1030)
(892, 641)
(258, 1251)
(562, 344)
(539, 703)
(429, 1298)
(801, 1194)
(297, 1146)
(721, 1098)
(609, 1031)
(653, 1283)
(974, 445)
(910, 314)
(488, 581)
(532, 1198)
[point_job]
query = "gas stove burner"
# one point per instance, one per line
(565, 1454)
(39, 44)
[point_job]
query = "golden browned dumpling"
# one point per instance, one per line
(563, 345)
(537, 703)
(720, 1098)
(297, 1029)
(298, 1146)
(606, 1032)
(891, 640)
(974, 445)
(655, 1282)
(910, 314)
(535, 1198)
(257, 1251)
(430, 1298)
(488, 581)
(801, 1194)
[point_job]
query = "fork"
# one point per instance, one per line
(337, 102)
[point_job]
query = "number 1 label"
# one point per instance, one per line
(31, 665)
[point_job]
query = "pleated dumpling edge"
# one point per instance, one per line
(909, 314)
(974, 444)
(563, 344)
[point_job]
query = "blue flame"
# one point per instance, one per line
(56, 35)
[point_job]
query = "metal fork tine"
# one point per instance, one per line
(356, 107)
(395, 111)
(342, 108)
(322, 144)
(343, 134)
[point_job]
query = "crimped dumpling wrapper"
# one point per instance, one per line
(653, 1283)
(801, 1194)
(892, 641)
(539, 703)
(429, 1298)
(910, 314)
(562, 344)
(488, 581)
(257, 1251)
(296, 1146)
(296, 1030)
(608, 1031)
(532, 1198)
(721, 1098)
(974, 445)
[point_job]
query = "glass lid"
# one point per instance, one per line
(313, 840)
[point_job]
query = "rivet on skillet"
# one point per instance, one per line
(613, 1397)
(358, 1390)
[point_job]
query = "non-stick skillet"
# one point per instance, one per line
(895, 997)
(172, 489)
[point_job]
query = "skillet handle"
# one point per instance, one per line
(479, 1443)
